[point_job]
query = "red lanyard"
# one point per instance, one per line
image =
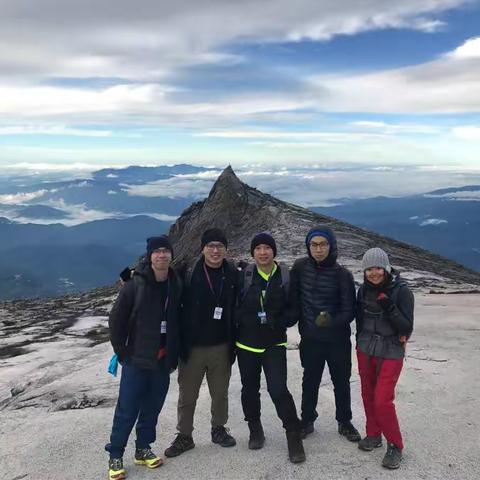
(209, 281)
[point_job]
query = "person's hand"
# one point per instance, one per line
(384, 301)
(323, 320)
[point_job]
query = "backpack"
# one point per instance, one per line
(248, 278)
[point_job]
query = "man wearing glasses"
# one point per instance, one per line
(207, 341)
(323, 298)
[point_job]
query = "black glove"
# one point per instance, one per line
(385, 302)
(323, 320)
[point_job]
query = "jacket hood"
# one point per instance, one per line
(327, 233)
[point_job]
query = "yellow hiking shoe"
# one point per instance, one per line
(115, 469)
(145, 456)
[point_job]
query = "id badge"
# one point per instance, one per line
(263, 318)
(217, 314)
(163, 327)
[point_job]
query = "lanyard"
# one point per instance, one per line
(165, 307)
(209, 281)
(268, 279)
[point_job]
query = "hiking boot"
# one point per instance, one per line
(145, 456)
(393, 457)
(222, 436)
(181, 444)
(348, 431)
(115, 469)
(296, 453)
(306, 429)
(367, 444)
(257, 437)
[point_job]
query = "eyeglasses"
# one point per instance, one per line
(161, 250)
(320, 245)
(215, 246)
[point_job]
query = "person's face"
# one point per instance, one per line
(319, 248)
(263, 255)
(375, 275)
(161, 259)
(214, 253)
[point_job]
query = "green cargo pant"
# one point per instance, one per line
(214, 362)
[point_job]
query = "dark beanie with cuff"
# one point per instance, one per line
(213, 235)
(263, 238)
(153, 243)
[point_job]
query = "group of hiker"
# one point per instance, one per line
(208, 314)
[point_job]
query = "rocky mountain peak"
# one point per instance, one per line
(242, 211)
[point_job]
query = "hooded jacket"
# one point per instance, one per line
(136, 335)
(379, 331)
(322, 286)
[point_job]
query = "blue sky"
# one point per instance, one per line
(274, 82)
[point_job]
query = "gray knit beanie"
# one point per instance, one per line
(376, 257)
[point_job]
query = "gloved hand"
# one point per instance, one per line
(385, 302)
(323, 320)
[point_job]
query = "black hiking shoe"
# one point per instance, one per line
(115, 469)
(306, 429)
(393, 457)
(349, 431)
(181, 444)
(222, 436)
(257, 437)
(296, 453)
(367, 444)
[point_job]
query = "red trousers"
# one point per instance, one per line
(379, 377)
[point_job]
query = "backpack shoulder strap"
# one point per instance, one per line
(189, 273)
(285, 272)
(138, 293)
(247, 279)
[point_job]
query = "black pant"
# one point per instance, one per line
(338, 356)
(274, 363)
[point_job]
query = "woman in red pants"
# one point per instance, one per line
(384, 323)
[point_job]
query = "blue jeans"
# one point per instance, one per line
(140, 399)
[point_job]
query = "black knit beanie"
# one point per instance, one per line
(213, 235)
(158, 242)
(266, 239)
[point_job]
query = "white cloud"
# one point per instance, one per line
(462, 195)
(112, 192)
(175, 187)
(22, 197)
(470, 49)
(467, 132)
(432, 221)
(118, 39)
(446, 85)
(52, 130)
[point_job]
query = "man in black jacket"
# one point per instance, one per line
(323, 295)
(144, 332)
(207, 341)
(263, 317)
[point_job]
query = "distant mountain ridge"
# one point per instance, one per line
(445, 221)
